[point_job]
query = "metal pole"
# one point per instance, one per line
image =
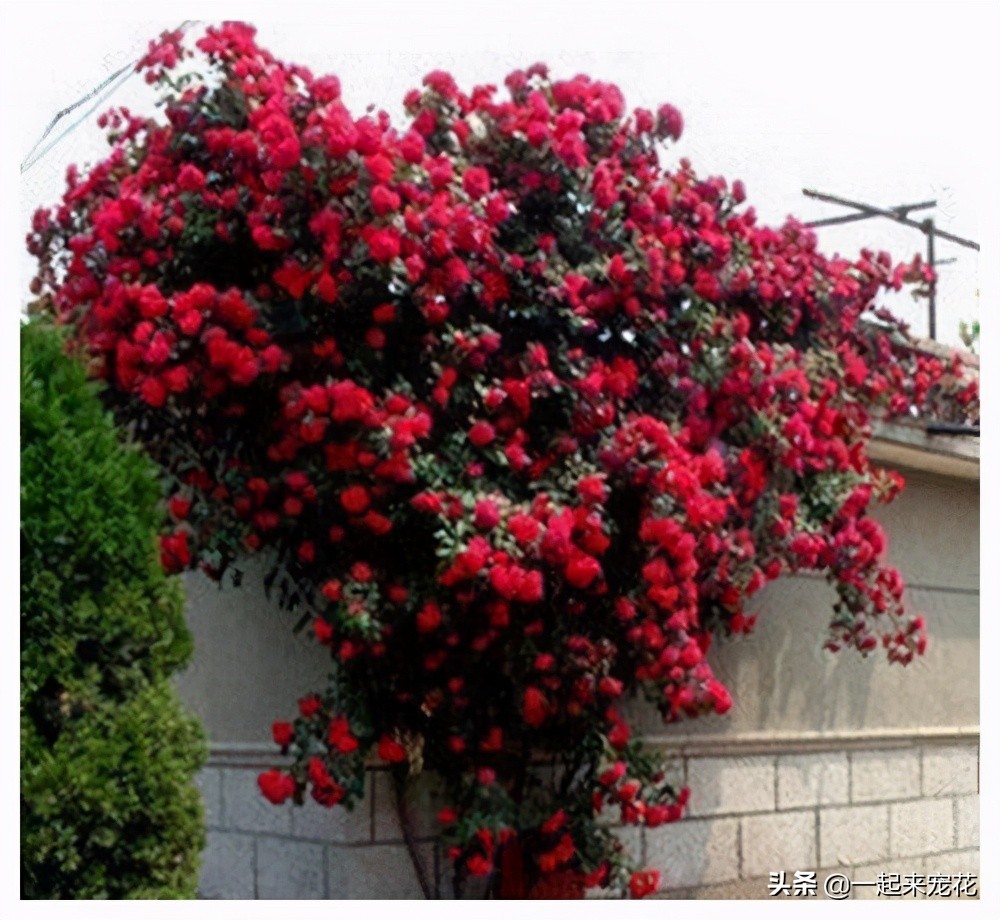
(887, 212)
(900, 210)
(931, 299)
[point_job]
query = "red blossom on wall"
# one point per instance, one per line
(524, 416)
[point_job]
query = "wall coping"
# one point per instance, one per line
(253, 755)
(799, 742)
(909, 445)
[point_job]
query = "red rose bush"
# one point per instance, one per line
(521, 417)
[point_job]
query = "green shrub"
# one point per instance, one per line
(108, 807)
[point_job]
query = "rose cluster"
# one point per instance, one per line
(521, 416)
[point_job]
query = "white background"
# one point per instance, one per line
(883, 102)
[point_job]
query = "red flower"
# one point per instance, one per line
(719, 696)
(486, 776)
(582, 571)
(479, 865)
(411, 146)
(644, 883)
(481, 434)
(390, 750)
(153, 392)
(176, 379)
(556, 823)
(380, 167)
(326, 790)
(323, 631)
(619, 735)
(332, 590)
(384, 245)
(592, 489)
(309, 706)
(377, 523)
(476, 182)
(523, 528)
(361, 572)
(190, 178)
(535, 707)
(429, 617)
(487, 514)
(355, 500)
(268, 240)
(532, 588)
(283, 733)
(326, 287)
(294, 278)
(340, 737)
(276, 786)
(384, 200)
(669, 122)
(175, 555)
(610, 687)
(427, 503)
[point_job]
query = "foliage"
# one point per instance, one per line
(526, 416)
(108, 809)
(969, 334)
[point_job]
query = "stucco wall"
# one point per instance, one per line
(250, 668)
(826, 762)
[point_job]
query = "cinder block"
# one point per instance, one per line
(951, 770)
(731, 785)
(771, 843)
(805, 780)
(287, 869)
(953, 863)
(424, 799)
(921, 828)
(854, 835)
(739, 890)
(691, 852)
(884, 776)
(209, 784)
(312, 821)
(227, 866)
(245, 809)
(866, 880)
(967, 821)
(379, 871)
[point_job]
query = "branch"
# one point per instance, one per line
(399, 784)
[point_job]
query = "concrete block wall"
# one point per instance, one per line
(832, 763)
(256, 850)
(907, 807)
(911, 809)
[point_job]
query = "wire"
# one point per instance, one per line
(99, 93)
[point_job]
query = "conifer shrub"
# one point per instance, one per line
(108, 807)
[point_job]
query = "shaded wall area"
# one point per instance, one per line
(250, 668)
(827, 762)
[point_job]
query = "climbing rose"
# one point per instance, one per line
(521, 410)
(276, 786)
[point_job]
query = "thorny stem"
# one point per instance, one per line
(399, 784)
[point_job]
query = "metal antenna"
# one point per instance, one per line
(899, 213)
